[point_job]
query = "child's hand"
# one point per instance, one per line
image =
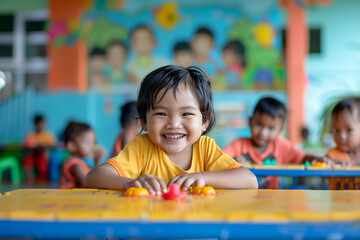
(99, 154)
(152, 183)
(187, 180)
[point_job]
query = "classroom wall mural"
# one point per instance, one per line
(236, 44)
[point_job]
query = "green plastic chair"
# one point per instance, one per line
(12, 164)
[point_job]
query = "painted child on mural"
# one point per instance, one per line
(183, 54)
(175, 107)
(202, 44)
(231, 77)
(97, 79)
(266, 124)
(115, 68)
(80, 141)
(143, 42)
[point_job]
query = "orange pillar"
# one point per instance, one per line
(68, 68)
(296, 53)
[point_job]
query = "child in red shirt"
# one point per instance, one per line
(345, 128)
(266, 124)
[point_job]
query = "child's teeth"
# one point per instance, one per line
(173, 136)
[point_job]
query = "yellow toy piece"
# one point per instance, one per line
(208, 190)
(319, 164)
(136, 192)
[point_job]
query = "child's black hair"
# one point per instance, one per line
(351, 103)
(182, 46)
(73, 130)
(142, 26)
(172, 76)
(128, 113)
(38, 118)
(205, 31)
(272, 107)
(117, 43)
(238, 48)
(97, 52)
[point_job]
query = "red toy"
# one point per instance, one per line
(174, 193)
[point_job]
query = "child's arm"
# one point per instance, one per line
(78, 172)
(231, 178)
(106, 176)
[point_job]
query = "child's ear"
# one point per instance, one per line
(71, 146)
(250, 119)
(143, 124)
(205, 125)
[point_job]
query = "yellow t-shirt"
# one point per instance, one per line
(141, 156)
(43, 138)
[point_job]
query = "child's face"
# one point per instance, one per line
(116, 56)
(85, 144)
(230, 57)
(142, 42)
(40, 126)
(175, 125)
(264, 128)
(346, 130)
(202, 44)
(97, 63)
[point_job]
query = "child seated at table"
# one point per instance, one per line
(37, 143)
(130, 124)
(175, 107)
(265, 144)
(80, 141)
(345, 127)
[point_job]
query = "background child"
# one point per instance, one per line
(346, 133)
(266, 124)
(130, 124)
(175, 108)
(183, 54)
(37, 143)
(80, 141)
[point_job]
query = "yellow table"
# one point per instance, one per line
(231, 214)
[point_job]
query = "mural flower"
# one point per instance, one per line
(167, 16)
(264, 34)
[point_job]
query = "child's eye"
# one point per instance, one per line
(187, 114)
(349, 130)
(160, 114)
(271, 128)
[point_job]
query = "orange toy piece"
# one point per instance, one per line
(319, 164)
(136, 192)
(174, 193)
(207, 190)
